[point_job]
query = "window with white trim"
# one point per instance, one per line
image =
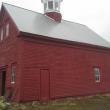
(7, 29)
(56, 5)
(13, 73)
(1, 36)
(45, 6)
(50, 5)
(97, 74)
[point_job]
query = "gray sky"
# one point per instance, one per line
(93, 13)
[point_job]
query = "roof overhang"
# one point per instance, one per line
(61, 41)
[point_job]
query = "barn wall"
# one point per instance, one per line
(9, 54)
(70, 67)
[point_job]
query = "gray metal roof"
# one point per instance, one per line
(36, 23)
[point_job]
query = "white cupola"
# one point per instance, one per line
(52, 9)
(51, 5)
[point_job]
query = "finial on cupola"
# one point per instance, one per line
(52, 9)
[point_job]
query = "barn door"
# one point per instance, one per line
(44, 85)
(2, 81)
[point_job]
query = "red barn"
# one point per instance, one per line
(43, 57)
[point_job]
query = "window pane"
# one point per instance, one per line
(1, 37)
(7, 30)
(45, 6)
(97, 78)
(50, 4)
(56, 6)
(97, 71)
(13, 72)
(97, 74)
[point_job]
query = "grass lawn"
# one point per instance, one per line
(98, 102)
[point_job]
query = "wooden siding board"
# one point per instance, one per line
(71, 69)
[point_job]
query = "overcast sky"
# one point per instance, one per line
(93, 13)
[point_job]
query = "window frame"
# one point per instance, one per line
(7, 29)
(45, 6)
(50, 5)
(1, 34)
(97, 74)
(13, 73)
(58, 7)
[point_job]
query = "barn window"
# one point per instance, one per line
(13, 73)
(1, 36)
(56, 6)
(45, 6)
(97, 74)
(7, 29)
(50, 4)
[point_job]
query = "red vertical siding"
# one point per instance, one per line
(71, 69)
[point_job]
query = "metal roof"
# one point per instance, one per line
(36, 23)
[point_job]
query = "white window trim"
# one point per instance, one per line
(13, 75)
(7, 29)
(1, 35)
(48, 5)
(99, 78)
(58, 6)
(98, 81)
(12, 82)
(53, 5)
(97, 75)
